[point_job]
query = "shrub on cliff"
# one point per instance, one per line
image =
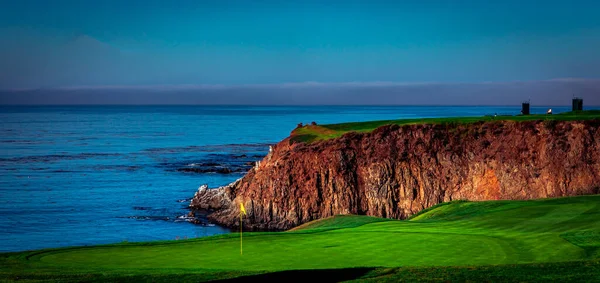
(550, 125)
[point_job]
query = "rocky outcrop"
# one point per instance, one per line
(396, 171)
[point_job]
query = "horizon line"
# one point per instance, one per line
(299, 105)
(168, 87)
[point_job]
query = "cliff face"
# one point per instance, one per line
(396, 171)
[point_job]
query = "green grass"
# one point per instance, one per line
(338, 222)
(551, 239)
(323, 132)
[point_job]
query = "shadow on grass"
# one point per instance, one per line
(302, 138)
(313, 275)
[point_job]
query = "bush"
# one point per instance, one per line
(550, 124)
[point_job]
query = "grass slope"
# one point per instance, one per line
(324, 132)
(552, 239)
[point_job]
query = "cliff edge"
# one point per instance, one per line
(398, 170)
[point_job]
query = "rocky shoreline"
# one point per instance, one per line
(396, 171)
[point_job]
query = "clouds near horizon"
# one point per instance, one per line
(541, 93)
(82, 44)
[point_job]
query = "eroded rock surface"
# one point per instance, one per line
(396, 171)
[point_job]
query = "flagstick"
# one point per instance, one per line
(241, 233)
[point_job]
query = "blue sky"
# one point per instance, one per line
(57, 44)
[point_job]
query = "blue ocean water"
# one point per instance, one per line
(84, 175)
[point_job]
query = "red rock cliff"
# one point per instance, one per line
(396, 171)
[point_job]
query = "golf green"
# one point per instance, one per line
(454, 234)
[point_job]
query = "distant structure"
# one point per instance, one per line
(525, 108)
(577, 103)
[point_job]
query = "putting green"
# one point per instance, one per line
(455, 234)
(336, 249)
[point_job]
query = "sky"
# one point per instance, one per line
(286, 51)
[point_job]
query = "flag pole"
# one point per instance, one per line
(242, 213)
(241, 233)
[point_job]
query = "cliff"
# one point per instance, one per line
(396, 171)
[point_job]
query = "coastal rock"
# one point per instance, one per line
(213, 199)
(217, 168)
(396, 171)
(221, 170)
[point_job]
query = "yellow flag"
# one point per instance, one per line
(242, 213)
(242, 209)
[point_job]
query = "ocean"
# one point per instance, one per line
(87, 175)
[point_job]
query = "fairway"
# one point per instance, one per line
(312, 133)
(454, 234)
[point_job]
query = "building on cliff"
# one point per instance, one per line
(525, 108)
(577, 104)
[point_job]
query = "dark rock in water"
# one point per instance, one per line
(149, 217)
(197, 221)
(193, 216)
(207, 164)
(141, 208)
(212, 167)
(222, 170)
(234, 160)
